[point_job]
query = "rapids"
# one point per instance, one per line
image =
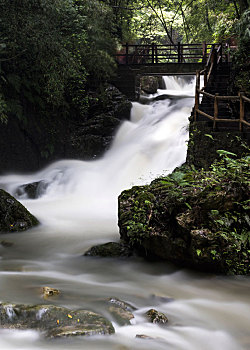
(77, 208)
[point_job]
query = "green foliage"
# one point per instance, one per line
(49, 52)
(209, 208)
(241, 56)
(188, 21)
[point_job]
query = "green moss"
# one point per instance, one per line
(194, 218)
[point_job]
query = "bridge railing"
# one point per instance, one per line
(155, 54)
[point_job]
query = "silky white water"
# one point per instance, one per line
(77, 208)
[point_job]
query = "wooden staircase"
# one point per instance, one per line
(213, 104)
(218, 84)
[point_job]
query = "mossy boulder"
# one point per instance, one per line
(110, 250)
(194, 218)
(54, 321)
(13, 215)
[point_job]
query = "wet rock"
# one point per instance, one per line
(143, 336)
(32, 190)
(6, 244)
(121, 311)
(149, 84)
(122, 304)
(161, 299)
(94, 136)
(122, 317)
(155, 316)
(54, 321)
(48, 292)
(13, 215)
(116, 102)
(110, 250)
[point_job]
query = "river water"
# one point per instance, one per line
(77, 208)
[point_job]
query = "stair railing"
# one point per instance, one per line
(215, 117)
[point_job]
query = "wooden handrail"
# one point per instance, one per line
(154, 53)
(215, 117)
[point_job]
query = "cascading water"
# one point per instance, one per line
(77, 208)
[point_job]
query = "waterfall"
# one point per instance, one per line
(153, 142)
(77, 208)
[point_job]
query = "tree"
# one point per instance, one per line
(49, 51)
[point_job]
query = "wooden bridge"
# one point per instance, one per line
(162, 54)
(135, 61)
(212, 61)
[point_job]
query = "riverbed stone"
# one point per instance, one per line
(48, 292)
(54, 321)
(110, 250)
(155, 316)
(121, 311)
(13, 215)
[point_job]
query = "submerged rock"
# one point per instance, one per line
(110, 250)
(13, 215)
(6, 244)
(32, 190)
(144, 336)
(55, 321)
(155, 316)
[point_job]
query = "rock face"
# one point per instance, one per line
(48, 139)
(201, 133)
(55, 321)
(13, 215)
(93, 136)
(149, 84)
(110, 250)
(196, 219)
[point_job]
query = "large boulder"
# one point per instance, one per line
(13, 215)
(194, 219)
(54, 321)
(93, 136)
(149, 84)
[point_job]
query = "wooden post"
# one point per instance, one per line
(221, 52)
(179, 52)
(216, 110)
(197, 95)
(205, 77)
(242, 109)
(126, 53)
(156, 54)
(153, 52)
(204, 52)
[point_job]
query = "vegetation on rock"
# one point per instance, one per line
(195, 218)
(13, 215)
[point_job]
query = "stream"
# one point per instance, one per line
(77, 208)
